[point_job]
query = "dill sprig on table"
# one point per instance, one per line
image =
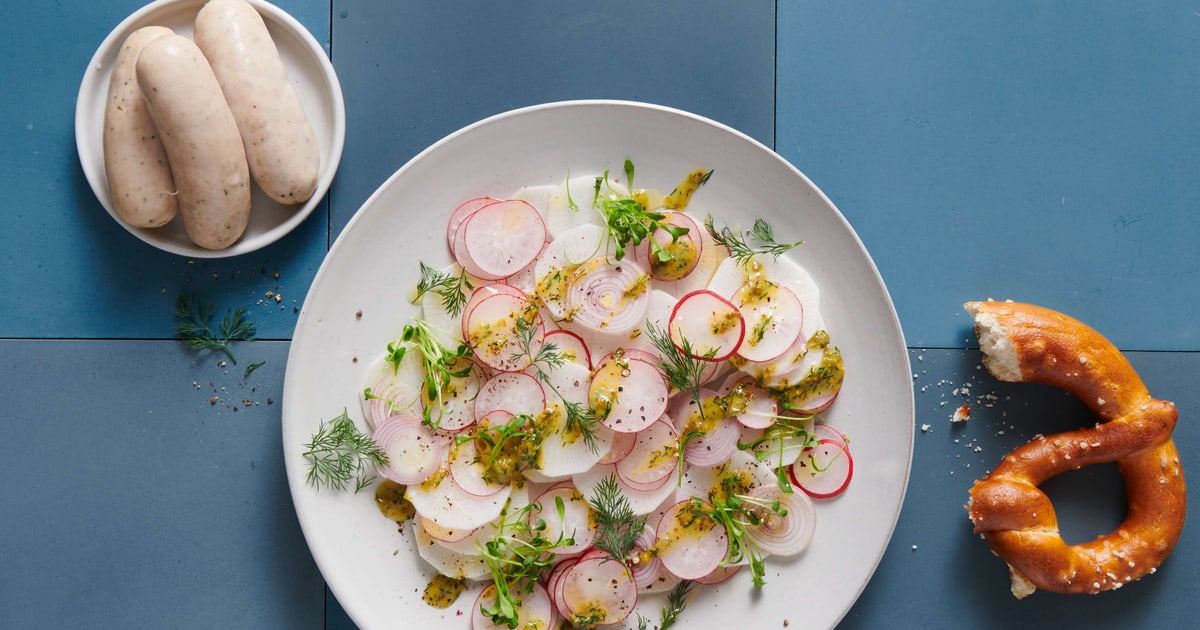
(195, 325)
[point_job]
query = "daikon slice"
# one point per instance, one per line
(564, 451)
(640, 501)
(446, 561)
(708, 325)
(444, 502)
(470, 471)
(500, 238)
(555, 203)
(514, 392)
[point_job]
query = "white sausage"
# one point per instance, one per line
(135, 163)
(280, 144)
(201, 138)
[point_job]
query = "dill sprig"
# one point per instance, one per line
(629, 222)
(453, 289)
(340, 454)
(195, 328)
(580, 418)
(676, 602)
(684, 372)
(739, 245)
(617, 528)
(517, 556)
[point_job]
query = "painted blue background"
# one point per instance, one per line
(1041, 151)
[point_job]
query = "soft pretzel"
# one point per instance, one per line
(1027, 343)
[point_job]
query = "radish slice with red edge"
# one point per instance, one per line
(824, 471)
(481, 293)
(711, 326)
(640, 501)
(445, 560)
(516, 393)
(691, 544)
(719, 575)
(713, 447)
(825, 431)
(470, 470)
(788, 531)
(628, 394)
(685, 251)
(535, 611)
(414, 451)
(597, 590)
(750, 405)
(462, 213)
(492, 331)
(774, 318)
(441, 500)
(570, 346)
(622, 445)
(500, 239)
(654, 457)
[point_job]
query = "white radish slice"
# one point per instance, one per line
(700, 482)
(536, 610)
(622, 445)
(774, 318)
(752, 406)
(654, 458)
(820, 401)
(414, 451)
(483, 292)
(640, 501)
(785, 534)
(491, 330)
(691, 544)
(462, 213)
(785, 449)
(658, 315)
(711, 325)
(446, 561)
(444, 535)
(455, 408)
(554, 202)
(732, 276)
(709, 439)
(611, 298)
(392, 387)
(469, 470)
(554, 581)
(598, 590)
(514, 392)
(720, 574)
(557, 266)
(448, 327)
(570, 346)
(500, 239)
(574, 523)
(825, 470)
(444, 502)
(564, 452)
(628, 394)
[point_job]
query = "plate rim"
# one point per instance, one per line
(97, 72)
(909, 411)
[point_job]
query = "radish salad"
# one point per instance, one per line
(607, 394)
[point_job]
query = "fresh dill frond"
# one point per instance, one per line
(194, 327)
(739, 245)
(253, 366)
(340, 454)
(679, 364)
(454, 290)
(548, 357)
(617, 527)
(676, 602)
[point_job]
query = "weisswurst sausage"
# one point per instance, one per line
(135, 162)
(201, 138)
(280, 144)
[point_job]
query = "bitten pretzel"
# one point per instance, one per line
(1027, 343)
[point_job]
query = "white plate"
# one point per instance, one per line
(373, 570)
(308, 69)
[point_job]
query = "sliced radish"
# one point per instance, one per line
(774, 318)
(462, 213)
(516, 393)
(713, 447)
(719, 575)
(445, 535)
(640, 501)
(574, 523)
(749, 404)
(454, 408)
(564, 452)
(414, 451)
(691, 544)
(825, 470)
(654, 458)
(608, 297)
(499, 239)
(628, 394)
(825, 431)
(685, 251)
(446, 561)
(712, 326)
(622, 445)
(711, 257)
(444, 502)
(535, 611)
(470, 470)
(788, 531)
(481, 293)
(570, 346)
(596, 591)
(492, 331)
(743, 469)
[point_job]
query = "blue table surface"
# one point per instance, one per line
(1041, 151)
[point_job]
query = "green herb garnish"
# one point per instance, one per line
(253, 366)
(629, 223)
(580, 418)
(453, 289)
(441, 365)
(739, 245)
(617, 528)
(340, 454)
(517, 556)
(195, 328)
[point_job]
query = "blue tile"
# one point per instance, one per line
(936, 573)
(1043, 152)
(132, 501)
(413, 72)
(69, 269)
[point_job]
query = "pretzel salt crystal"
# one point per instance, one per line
(1027, 343)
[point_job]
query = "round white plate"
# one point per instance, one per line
(308, 69)
(373, 570)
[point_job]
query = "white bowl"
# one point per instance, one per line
(309, 70)
(372, 268)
